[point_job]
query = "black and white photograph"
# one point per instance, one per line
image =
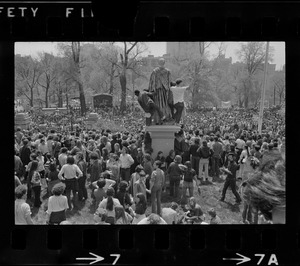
(135, 133)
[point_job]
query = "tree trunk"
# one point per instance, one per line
(111, 80)
(82, 99)
(123, 91)
(31, 97)
(46, 97)
(60, 98)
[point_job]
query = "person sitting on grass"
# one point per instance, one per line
(57, 205)
(109, 204)
(215, 219)
(194, 215)
(22, 209)
(170, 214)
(140, 208)
(122, 217)
(99, 193)
(153, 218)
(100, 216)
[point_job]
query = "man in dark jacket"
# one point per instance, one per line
(25, 152)
(174, 173)
(145, 100)
(230, 181)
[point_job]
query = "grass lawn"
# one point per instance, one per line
(228, 211)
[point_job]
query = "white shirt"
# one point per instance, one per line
(240, 144)
(126, 160)
(178, 94)
(145, 221)
(43, 148)
(62, 158)
(169, 215)
(22, 209)
(69, 171)
(57, 203)
(103, 205)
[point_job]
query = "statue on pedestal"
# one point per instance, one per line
(159, 86)
(145, 100)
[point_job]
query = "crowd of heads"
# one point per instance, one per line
(265, 189)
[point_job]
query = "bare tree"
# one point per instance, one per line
(27, 74)
(72, 51)
(252, 54)
(129, 58)
(48, 74)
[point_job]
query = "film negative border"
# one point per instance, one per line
(210, 245)
(153, 20)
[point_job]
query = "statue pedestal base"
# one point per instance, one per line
(162, 138)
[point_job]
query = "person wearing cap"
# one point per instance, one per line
(170, 214)
(22, 209)
(175, 173)
(178, 100)
(230, 181)
(57, 205)
(139, 186)
(215, 219)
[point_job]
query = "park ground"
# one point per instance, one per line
(209, 197)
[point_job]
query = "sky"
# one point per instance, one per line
(154, 48)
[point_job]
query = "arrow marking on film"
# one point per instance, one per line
(96, 259)
(242, 259)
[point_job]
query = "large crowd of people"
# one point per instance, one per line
(116, 168)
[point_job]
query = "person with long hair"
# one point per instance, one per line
(52, 177)
(113, 165)
(35, 180)
(57, 205)
(109, 204)
(71, 172)
(22, 209)
(140, 208)
(82, 191)
(122, 217)
(244, 160)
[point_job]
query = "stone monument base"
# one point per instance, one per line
(162, 138)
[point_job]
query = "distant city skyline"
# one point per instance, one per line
(157, 49)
